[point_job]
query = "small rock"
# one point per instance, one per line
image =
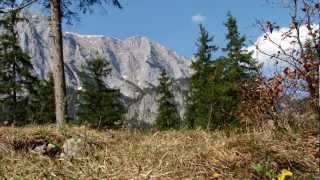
(47, 149)
(41, 149)
(52, 150)
(72, 147)
(51, 147)
(108, 134)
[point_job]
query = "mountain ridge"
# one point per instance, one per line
(136, 63)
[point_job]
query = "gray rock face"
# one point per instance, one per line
(136, 63)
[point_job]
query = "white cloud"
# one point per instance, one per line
(270, 48)
(198, 18)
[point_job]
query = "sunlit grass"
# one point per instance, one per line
(158, 155)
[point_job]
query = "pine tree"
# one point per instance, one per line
(239, 65)
(168, 116)
(196, 102)
(42, 108)
(228, 75)
(98, 105)
(59, 10)
(16, 79)
(214, 93)
(220, 96)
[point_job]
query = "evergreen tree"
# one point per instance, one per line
(196, 102)
(42, 107)
(98, 105)
(59, 10)
(168, 116)
(220, 96)
(16, 79)
(214, 93)
(227, 76)
(239, 65)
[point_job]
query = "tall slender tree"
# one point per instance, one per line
(220, 96)
(240, 71)
(16, 78)
(168, 116)
(59, 9)
(196, 105)
(58, 64)
(240, 64)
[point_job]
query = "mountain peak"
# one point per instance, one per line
(137, 37)
(84, 35)
(136, 62)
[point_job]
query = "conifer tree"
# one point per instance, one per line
(168, 116)
(59, 10)
(196, 101)
(62, 9)
(220, 96)
(228, 75)
(42, 107)
(239, 65)
(16, 79)
(99, 105)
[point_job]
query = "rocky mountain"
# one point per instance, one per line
(136, 63)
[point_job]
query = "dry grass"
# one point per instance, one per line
(157, 155)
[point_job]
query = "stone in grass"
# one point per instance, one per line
(48, 149)
(41, 149)
(71, 147)
(5, 148)
(108, 134)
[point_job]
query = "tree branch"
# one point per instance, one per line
(23, 5)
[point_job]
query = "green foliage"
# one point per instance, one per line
(214, 94)
(220, 97)
(262, 171)
(196, 101)
(98, 105)
(42, 107)
(16, 79)
(168, 116)
(71, 9)
(240, 69)
(227, 76)
(240, 65)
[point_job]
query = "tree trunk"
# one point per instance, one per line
(210, 118)
(57, 62)
(15, 101)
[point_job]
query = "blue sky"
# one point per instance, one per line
(172, 22)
